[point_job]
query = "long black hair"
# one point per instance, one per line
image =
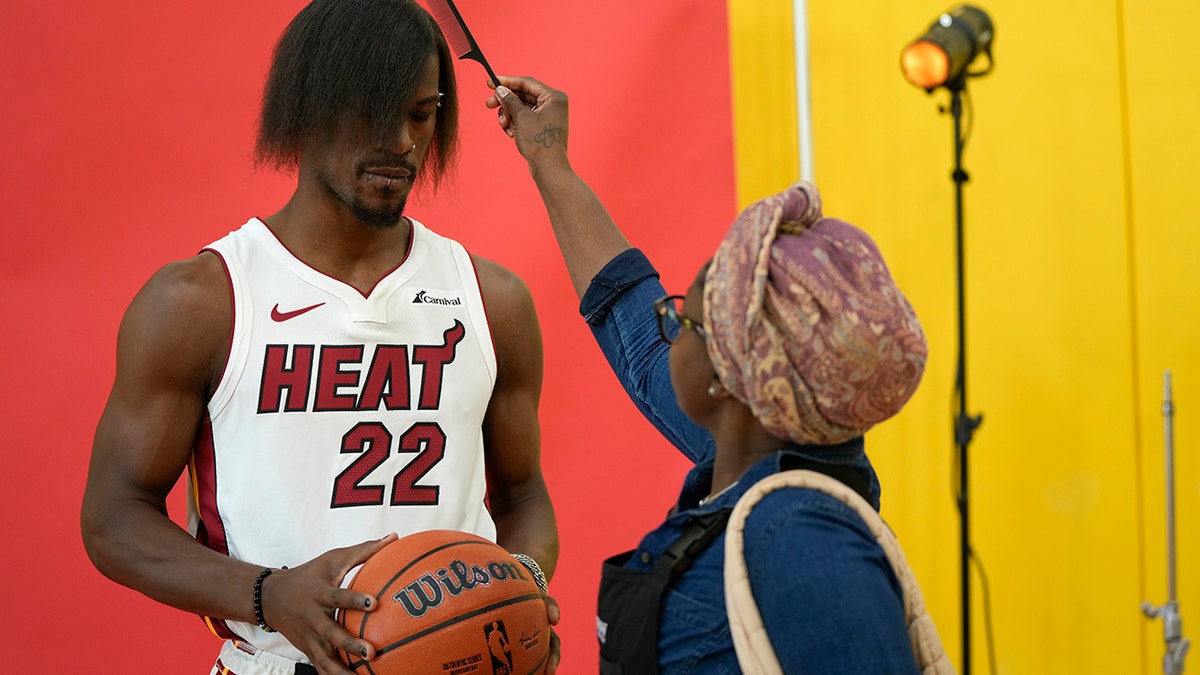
(339, 59)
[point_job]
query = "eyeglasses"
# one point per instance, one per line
(668, 307)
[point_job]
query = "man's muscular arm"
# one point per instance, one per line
(171, 350)
(167, 362)
(517, 493)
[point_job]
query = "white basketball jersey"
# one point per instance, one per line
(342, 417)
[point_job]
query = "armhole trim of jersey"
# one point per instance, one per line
(219, 398)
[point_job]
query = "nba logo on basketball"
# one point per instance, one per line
(499, 646)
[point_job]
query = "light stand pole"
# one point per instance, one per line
(1176, 644)
(940, 58)
(964, 424)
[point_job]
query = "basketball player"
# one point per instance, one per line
(328, 376)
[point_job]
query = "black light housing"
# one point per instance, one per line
(941, 56)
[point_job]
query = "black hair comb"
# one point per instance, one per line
(455, 29)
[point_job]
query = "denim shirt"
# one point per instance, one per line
(827, 594)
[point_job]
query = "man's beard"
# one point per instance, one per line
(379, 217)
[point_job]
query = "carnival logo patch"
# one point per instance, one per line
(435, 298)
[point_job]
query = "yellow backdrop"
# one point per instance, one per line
(1082, 240)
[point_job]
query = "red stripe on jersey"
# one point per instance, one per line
(210, 531)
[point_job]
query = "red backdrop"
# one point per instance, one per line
(127, 136)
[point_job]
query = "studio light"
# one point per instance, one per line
(952, 43)
(940, 58)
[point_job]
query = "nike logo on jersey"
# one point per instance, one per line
(280, 317)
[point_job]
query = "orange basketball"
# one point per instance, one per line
(451, 603)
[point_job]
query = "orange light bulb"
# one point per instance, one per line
(925, 64)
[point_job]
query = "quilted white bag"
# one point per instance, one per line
(755, 654)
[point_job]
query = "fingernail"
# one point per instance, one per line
(502, 91)
(363, 652)
(367, 603)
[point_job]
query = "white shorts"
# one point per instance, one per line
(240, 658)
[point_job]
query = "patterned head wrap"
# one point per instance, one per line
(806, 325)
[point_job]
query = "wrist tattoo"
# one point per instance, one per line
(549, 136)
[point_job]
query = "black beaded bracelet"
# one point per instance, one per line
(258, 613)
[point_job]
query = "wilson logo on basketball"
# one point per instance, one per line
(429, 590)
